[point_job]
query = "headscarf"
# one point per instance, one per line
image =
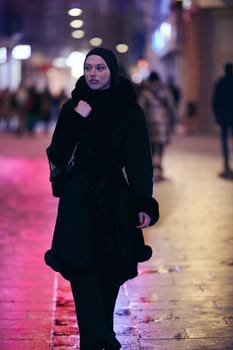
(110, 59)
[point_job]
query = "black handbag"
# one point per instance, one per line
(58, 174)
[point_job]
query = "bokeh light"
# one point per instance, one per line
(96, 41)
(75, 62)
(76, 23)
(75, 12)
(122, 48)
(78, 34)
(21, 52)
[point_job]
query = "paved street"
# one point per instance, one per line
(183, 297)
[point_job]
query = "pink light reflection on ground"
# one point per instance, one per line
(26, 220)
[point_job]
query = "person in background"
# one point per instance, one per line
(175, 91)
(107, 198)
(157, 102)
(21, 104)
(6, 108)
(222, 104)
(57, 101)
(33, 110)
(45, 109)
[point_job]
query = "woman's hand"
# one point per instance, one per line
(83, 108)
(144, 219)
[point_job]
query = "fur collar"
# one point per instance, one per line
(119, 98)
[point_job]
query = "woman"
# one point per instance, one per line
(157, 103)
(98, 241)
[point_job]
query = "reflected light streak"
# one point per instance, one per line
(3, 55)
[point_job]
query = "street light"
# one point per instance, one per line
(96, 41)
(78, 34)
(76, 23)
(122, 48)
(21, 52)
(74, 11)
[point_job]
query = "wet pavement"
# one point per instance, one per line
(182, 298)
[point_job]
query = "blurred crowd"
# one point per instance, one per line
(26, 110)
(22, 111)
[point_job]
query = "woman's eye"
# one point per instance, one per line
(101, 68)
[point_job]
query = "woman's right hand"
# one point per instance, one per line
(83, 108)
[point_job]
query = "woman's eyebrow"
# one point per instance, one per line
(95, 65)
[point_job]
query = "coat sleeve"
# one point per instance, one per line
(66, 134)
(138, 165)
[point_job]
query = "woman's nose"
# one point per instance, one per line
(93, 71)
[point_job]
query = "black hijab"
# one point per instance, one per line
(114, 100)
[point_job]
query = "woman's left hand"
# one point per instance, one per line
(144, 219)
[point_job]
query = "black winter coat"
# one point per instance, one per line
(110, 184)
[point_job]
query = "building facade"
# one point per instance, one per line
(198, 47)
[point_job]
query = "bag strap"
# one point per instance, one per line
(71, 160)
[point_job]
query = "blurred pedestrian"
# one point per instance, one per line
(45, 109)
(33, 110)
(6, 108)
(191, 117)
(175, 91)
(157, 102)
(222, 103)
(21, 105)
(57, 101)
(98, 242)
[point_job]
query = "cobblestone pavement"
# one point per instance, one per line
(182, 298)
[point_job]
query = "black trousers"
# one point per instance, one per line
(95, 300)
(225, 135)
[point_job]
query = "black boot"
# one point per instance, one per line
(95, 332)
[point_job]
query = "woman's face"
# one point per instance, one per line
(97, 73)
